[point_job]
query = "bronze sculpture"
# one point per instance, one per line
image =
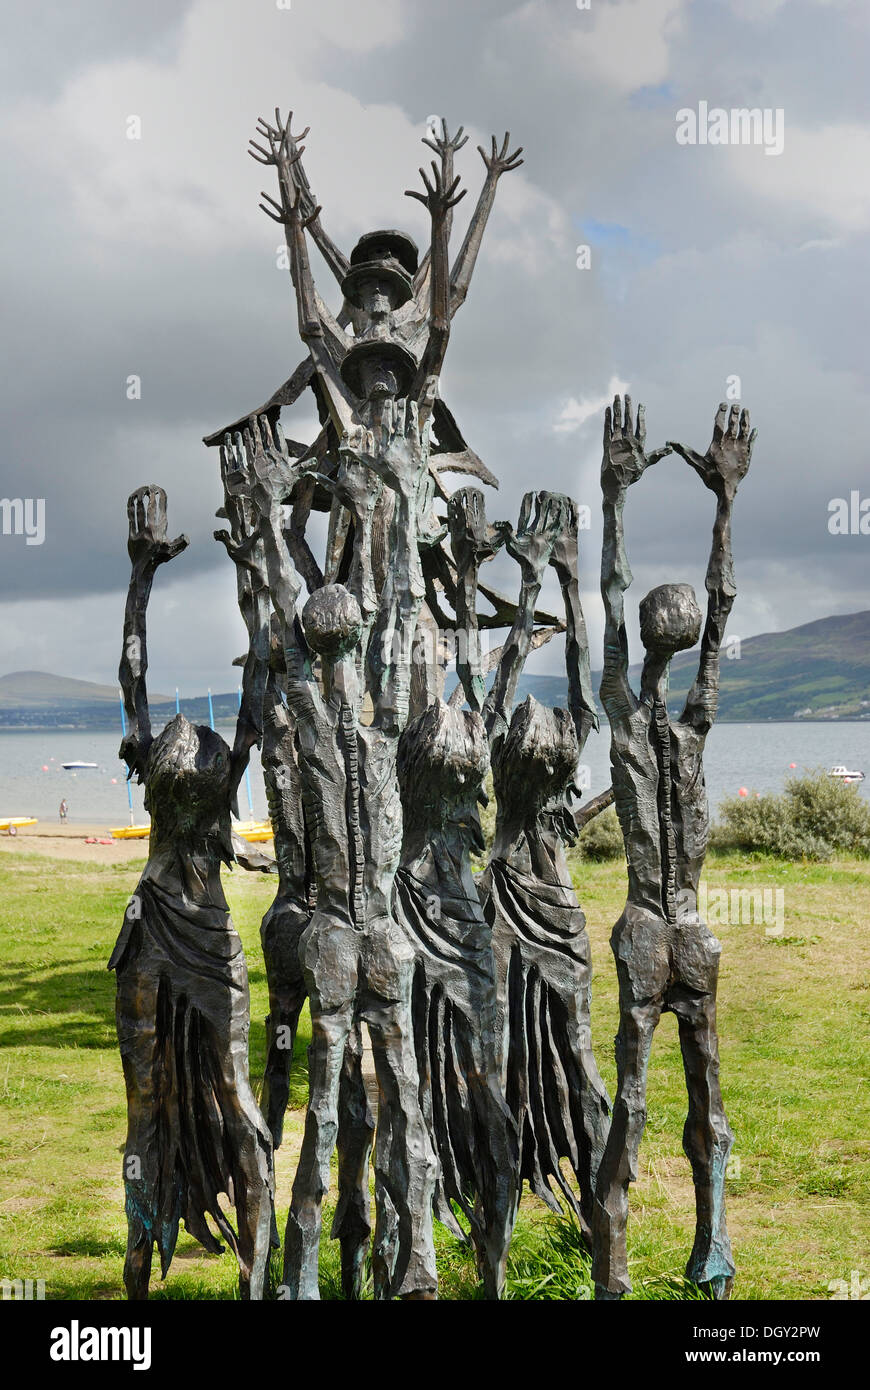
(667, 959)
(541, 947)
(357, 966)
(475, 994)
(443, 758)
(194, 1129)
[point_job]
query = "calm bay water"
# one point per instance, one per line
(26, 789)
(756, 756)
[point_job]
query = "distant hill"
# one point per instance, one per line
(820, 670)
(44, 699)
(40, 690)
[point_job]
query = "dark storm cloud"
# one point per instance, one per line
(152, 259)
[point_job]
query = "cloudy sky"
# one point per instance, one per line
(708, 262)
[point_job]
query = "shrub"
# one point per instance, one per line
(602, 837)
(815, 817)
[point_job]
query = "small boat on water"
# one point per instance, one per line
(77, 767)
(845, 775)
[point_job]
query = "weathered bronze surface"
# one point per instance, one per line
(474, 992)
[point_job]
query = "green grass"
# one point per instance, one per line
(793, 1024)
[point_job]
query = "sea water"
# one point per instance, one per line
(755, 756)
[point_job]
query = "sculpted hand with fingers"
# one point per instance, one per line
(726, 461)
(625, 459)
(501, 161)
(147, 543)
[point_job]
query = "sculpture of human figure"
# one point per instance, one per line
(281, 933)
(539, 938)
(667, 959)
(377, 289)
(443, 760)
(390, 297)
(182, 1010)
(377, 284)
(358, 966)
(289, 914)
(410, 320)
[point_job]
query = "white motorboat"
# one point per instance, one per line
(845, 774)
(77, 767)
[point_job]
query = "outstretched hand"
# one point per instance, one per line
(499, 161)
(564, 557)
(262, 467)
(398, 450)
(280, 140)
(471, 540)
(147, 544)
(356, 485)
(726, 462)
(445, 144)
(238, 478)
(625, 458)
(542, 518)
(285, 152)
(438, 198)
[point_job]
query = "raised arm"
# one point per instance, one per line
(721, 469)
(472, 542)
(497, 162)
(271, 474)
(148, 548)
(440, 198)
(565, 561)
(317, 329)
(278, 137)
(445, 146)
(531, 545)
(623, 463)
(244, 546)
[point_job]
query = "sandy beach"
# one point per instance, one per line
(69, 841)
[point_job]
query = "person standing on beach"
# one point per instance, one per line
(64, 809)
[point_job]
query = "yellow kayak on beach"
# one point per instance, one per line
(254, 831)
(7, 822)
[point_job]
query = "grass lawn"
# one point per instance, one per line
(793, 1024)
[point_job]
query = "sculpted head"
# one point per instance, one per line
(670, 620)
(187, 791)
(332, 622)
(538, 757)
(443, 760)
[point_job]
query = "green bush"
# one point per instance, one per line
(602, 837)
(816, 817)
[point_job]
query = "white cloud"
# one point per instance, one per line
(574, 413)
(762, 11)
(626, 45)
(188, 183)
(820, 172)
